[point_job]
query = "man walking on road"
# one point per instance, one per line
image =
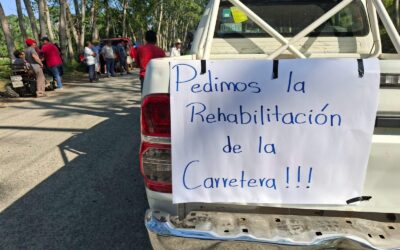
(109, 56)
(33, 58)
(147, 52)
(53, 60)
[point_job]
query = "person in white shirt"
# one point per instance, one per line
(176, 50)
(90, 58)
(109, 56)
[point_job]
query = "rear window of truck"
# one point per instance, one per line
(290, 17)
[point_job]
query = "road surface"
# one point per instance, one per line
(69, 169)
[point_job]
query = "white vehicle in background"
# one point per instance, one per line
(277, 29)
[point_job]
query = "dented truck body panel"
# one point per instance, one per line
(372, 224)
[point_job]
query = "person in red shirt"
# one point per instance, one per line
(132, 54)
(53, 60)
(147, 52)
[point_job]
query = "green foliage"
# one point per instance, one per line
(387, 45)
(4, 68)
(16, 33)
(388, 3)
(74, 69)
(143, 14)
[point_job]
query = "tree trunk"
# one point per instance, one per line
(114, 30)
(92, 15)
(185, 33)
(78, 17)
(7, 34)
(125, 7)
(397, 10)
(63, 29)
(107, 7)
(71, 53)
(95, 34)
(165, 38)
(95, 29)
(174, 35)
(160, 22)
(93, 21)
(76, 6)
(21, 20)
(42, 19)
(32, 18)
(49, 22)
(71, 24)
(132, 33)
(83, 26)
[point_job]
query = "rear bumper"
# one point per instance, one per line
(205, 229)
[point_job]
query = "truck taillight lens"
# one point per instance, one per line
(155, 164)
(155, 158)
(156, 117)
(390, 80)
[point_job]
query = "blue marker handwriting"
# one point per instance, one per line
(241, 181)
(214, 84)
(199, 112)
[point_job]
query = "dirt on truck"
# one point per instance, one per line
(277, 33)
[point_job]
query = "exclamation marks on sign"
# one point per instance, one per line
(299, 179)
(309, 177)
(287, 177)
(298, 176)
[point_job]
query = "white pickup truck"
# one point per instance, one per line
(280, 30)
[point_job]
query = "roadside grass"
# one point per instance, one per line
(4, 73)
(74, 70)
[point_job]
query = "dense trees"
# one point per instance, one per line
(71, 26)
(72, 22)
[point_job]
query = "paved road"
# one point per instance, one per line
(69, 174)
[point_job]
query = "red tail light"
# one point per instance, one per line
(155, 164)
(155, 158)
(156, 118)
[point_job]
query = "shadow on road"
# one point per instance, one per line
(96, 201)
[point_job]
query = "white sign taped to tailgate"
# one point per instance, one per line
(260, 131)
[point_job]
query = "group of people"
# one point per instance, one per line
(36, 59)
(111, 55)
(48, 57)
(124, 54)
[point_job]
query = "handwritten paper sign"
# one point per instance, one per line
(238, 135)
